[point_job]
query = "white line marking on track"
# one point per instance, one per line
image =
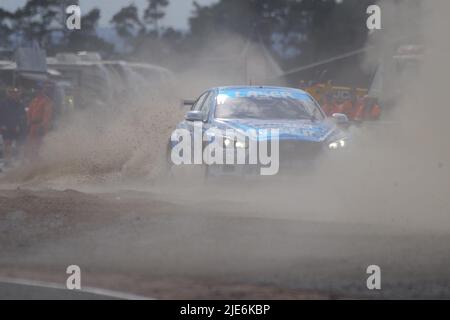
(92, 290)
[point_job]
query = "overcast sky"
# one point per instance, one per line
(177, 12)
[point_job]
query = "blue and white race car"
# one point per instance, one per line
(231, 129)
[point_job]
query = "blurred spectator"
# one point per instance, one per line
(328, 105)
(39, 118)
(368, 109)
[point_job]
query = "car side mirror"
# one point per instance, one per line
(340, 118)
(194, 116)
(187, 102)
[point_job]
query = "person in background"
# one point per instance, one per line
(11, 115)
(328, 105)
(350, 105)
(39, 118)
(338, 106)
(375, 110)
(368, 109)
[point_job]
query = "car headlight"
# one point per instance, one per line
(341, 143)
(227, 142)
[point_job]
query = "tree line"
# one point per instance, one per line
(295, 31)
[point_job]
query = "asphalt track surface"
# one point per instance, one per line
(10, 291)
(153, 245)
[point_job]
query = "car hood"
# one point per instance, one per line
(304, 130)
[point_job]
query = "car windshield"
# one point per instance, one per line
(266, 107)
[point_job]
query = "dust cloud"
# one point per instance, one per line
(125, 140)
(395, 172)
(394, 177)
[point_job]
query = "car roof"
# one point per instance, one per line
(264, 88)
